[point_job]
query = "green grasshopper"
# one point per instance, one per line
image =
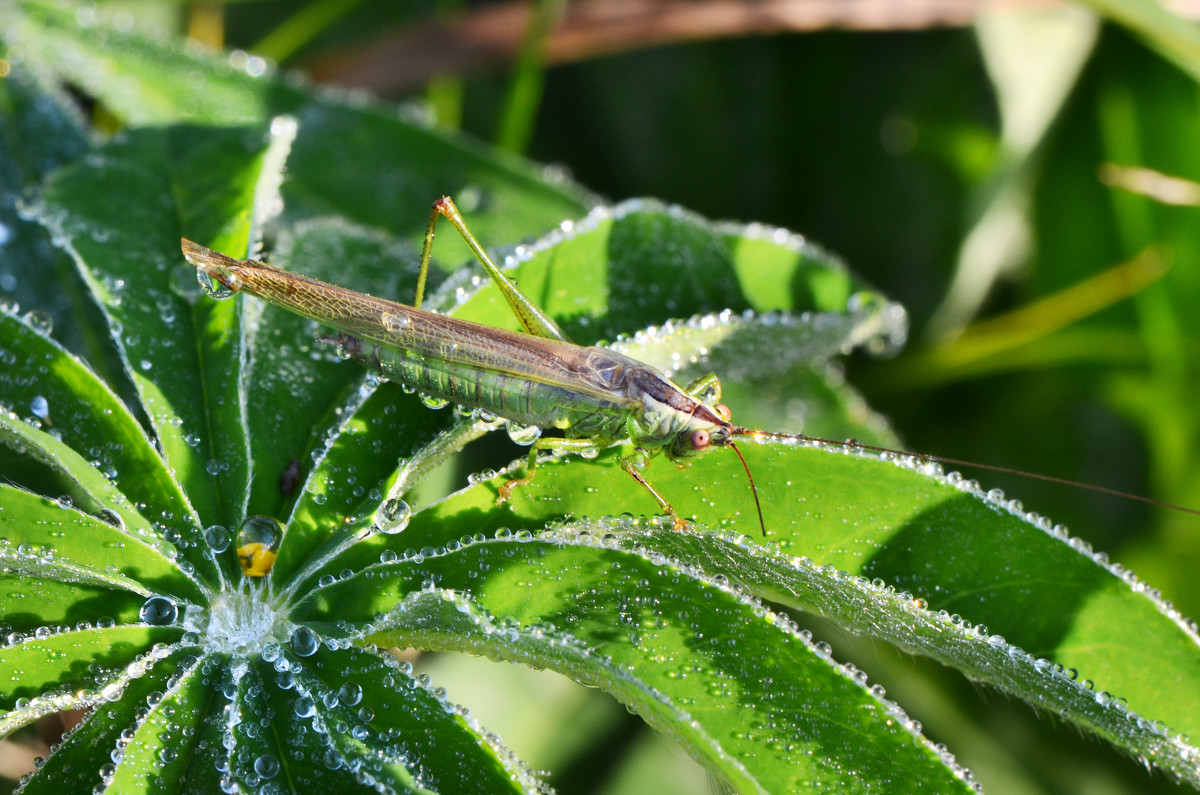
(595, 396)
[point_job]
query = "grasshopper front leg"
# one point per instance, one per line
(554, 444)
(632, 464)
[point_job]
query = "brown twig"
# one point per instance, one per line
(405, 59)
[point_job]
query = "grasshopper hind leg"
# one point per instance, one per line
(531, 317)
(706, 388)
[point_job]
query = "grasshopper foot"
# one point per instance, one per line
(506, 490)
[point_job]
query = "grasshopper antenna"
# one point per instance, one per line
(753, 489)
(989, 467)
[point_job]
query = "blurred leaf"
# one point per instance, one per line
(1177, 39)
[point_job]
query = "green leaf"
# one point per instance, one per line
(734, 683)
(351, 158)
(71, 402)
(164, 81)
(48, 539)
(1018, 581)
(51, 667)
(89, 484)
(640, 261)
(86, 756)
(387, 704)
(39, 132)
(161, 757)
(180, 353)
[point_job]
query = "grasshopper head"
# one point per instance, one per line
(707, 427)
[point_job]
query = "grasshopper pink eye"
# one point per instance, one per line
(723, 412)
(700, 440)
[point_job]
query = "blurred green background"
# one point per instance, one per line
(1019, 179)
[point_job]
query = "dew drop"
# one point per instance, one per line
(257, 542)
(350, 694)
(111, 517)
(40, 321)
(393, 516)
(266, 766)
(213, 287)
(217, 538)
(304, 707)
(434, 402)
(40, 408)
(524, 435)
(158, 611)
(304, 642)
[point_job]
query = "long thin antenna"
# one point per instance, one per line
(990, 467)
(753, 488)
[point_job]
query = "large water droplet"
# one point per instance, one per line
(434, 402)
(217, 538)
(350, 694)
(109, 516)
(213, 287)
(266, 766)
(257, 543)
(305, 708)
(393, 516)
(524, 435)
(304, 642)
(158, 611)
